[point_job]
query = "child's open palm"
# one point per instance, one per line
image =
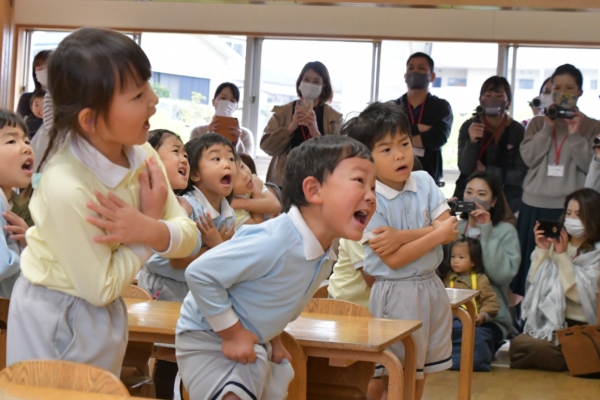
(153, 190)
(227, 233)
(17, 226)
(210, 234)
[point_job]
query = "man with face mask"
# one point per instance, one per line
(430, 117)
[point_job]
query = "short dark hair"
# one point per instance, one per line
(568, 69)
(235, 91)
(194, 149)
(327, 90)
(500, 211)
(9, 118)
(156, 137)
(39, 59)
(588, 200)
(246, 159)
(496, 84)
(317, 157)
(376, 122)
(475, 252)
(422, 55)
(37, 94)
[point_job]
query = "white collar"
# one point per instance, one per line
(389, 193)
(4, 201)
(106, 171)
(312, 247)
(209, 209)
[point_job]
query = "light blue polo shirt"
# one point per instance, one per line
(200, 206)
(264, 277)
(10, 262)
(419, 204)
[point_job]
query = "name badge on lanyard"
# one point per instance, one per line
(557, 171)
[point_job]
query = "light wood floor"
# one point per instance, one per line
(504, 383)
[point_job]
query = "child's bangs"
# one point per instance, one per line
(131, 73)
(12, 120)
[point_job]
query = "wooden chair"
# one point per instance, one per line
(67, 375)
(296, 390)
(321, 293)
(329, 382)
(135, 373)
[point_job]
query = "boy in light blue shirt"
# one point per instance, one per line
(403, 239)
(244, 292)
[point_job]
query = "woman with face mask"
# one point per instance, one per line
(492, 223)
(490, 142)
(40, 80)
(225, 102)
(294, 123)
(563, 282)
(558, 153)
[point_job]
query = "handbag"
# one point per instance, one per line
(581, 348)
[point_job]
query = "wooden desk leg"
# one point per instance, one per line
(410, 367)
(467, 318)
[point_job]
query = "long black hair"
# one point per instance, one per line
(500, 211)
(588, 200)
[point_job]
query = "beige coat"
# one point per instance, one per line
(245, 143)
(276, 140)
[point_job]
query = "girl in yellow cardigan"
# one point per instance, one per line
(102, 207)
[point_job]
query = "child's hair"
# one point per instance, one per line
(376, 122)
(500, 211)
(194, 149)
(156, 137)
(246, 159)
(317, 157)
(9, 118)
(475, 252)
(85, 71)
(588, 200)
(276, 190)
(38, 94)
(496, 84)
(568, 69)
(235, 91)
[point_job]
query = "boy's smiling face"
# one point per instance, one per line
(394, 159)
(16, 168)
(348, 197)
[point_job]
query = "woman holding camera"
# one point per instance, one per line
(592, 180)
(563, 282)
(557, 148)
(490, 142)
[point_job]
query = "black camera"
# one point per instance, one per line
(554, 112)
(480, 111)
(596, 142)
(460, 207)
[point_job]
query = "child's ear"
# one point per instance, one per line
(312, 190)
(195, 176)
(87, 120)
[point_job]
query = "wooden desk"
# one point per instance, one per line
(21, 392)
(459, 297)
(361, 339)
(152, 321)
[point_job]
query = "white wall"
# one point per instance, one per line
(327, 21)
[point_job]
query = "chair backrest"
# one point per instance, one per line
(296, 390)
(357, 375)
(136, 292)
(321, 293)
(336, 307)
(67, 375)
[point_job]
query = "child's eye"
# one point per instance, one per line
(360, 180)
(216, 159)
(385, 151)
(12, 141)
(139, 95)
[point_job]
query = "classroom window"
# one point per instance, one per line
(460, 82)
(186, 71)
(437, 83)
(526, 84)
(349, 65)
(594, 84)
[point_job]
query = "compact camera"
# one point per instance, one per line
(554, 112)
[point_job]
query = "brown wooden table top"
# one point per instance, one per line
(156, 317)
(458, 297)
(20, 392)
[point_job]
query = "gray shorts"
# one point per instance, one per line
(51, 325)
(208, 374)
(421, 298)
(168, 289)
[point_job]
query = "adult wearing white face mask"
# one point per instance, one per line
(430, 117)
(40, 80)
(562, 285)
(225, 101)
(294, 123)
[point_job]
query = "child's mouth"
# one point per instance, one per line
(402, 168)
(250, 184)
(147, 125)
(28, 165)
(226, 180)
(182, 171)
(361, 217)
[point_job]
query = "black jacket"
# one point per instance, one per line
(502, 160)
(437, 114)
